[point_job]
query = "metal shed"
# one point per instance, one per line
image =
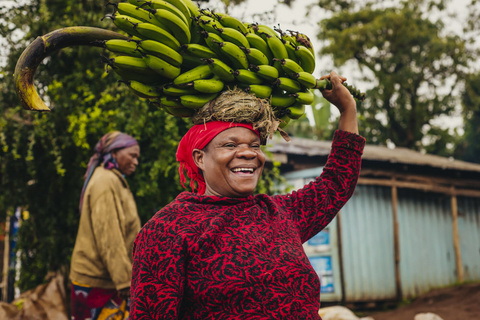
(413, 223)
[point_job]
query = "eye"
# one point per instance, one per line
(229, 145)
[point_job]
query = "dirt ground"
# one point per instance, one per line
(455, 303)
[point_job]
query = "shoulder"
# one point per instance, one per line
(103, 179)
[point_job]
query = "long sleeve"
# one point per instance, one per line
(107, 219)
(315, 205)
(158, 275)
(109, 223)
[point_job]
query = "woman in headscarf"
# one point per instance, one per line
(224, 253)
(101, 265)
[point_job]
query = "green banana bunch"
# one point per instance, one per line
(267, 62)
(179, 57)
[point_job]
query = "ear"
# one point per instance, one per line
(199, 157)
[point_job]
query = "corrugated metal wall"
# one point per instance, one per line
(367, 245)
(469, 231)
(427, 256)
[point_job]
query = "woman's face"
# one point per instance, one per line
(231, 163)
(127, 159)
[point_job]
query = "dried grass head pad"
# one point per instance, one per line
(235, 105)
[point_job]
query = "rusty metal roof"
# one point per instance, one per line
(301, 146)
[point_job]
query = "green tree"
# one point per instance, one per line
(469, 148)
(44, 155)
(414, 68)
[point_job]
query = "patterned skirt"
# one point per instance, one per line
(90, 303)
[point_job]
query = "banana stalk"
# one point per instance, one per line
(43, 47)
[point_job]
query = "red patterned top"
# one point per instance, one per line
(209, 257)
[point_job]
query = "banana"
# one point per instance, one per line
(171, 102)
(174, 24)
(207, 85)
(200, 72)
(301, 39)
(284, 121)
(209, 24)
(247, 76)
(304, 97)
(132, 65)
(267, 72)
(179, 4)
(231, 22)
(296, 110)
(174, 91)
(144, 90)
(307, 79)
(257, 42)
(167, 5)
(139, 13)
(287, 84)
(277, 47)
(126, 24)
(286, 37)
(181, 112)
(196, 101)
(262, 30)
(194, 9)
(306, 58)
(212, 40)
(121, 46)
(290, 66)
(162, 67)
(153, 32)
(262, 91)
(234, 54)
(290, 49)
(233, 35)
(190, 61)
(137, 2)
(153, 79)
(281, 100)
(162, 51)
(223, 71)
(198, 50)
(255, 56)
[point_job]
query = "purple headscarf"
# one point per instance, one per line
(113, 140)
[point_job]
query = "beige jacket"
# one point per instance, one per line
(109, 223)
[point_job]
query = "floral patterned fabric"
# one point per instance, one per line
(208, 257)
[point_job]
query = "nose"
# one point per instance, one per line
(135, 162)
(246, 152)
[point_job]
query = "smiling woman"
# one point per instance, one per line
(221, 252)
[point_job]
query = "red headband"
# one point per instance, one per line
(197, 138)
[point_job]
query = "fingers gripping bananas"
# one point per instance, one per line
(184, 56)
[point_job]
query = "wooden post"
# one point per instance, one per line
(396, 240)
(456, 240)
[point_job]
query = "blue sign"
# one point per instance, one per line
(323, 266)
(321, 238)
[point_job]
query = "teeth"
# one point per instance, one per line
(242, 169)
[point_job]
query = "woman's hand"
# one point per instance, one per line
(340, 97)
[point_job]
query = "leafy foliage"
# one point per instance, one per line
(469, 148)
(44, 155)
(414, 68)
